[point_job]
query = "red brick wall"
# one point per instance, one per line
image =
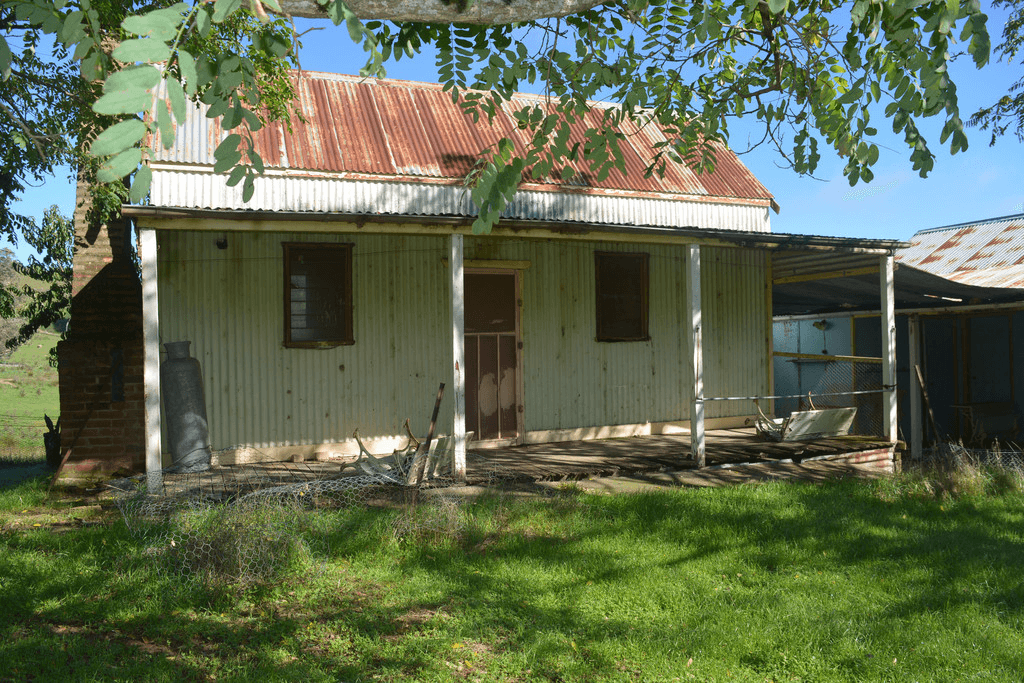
(101, 360)
(102, 406)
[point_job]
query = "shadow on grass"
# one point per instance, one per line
(575, 587)
(941, 561)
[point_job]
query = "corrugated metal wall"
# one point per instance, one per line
(737, 328)
(198, 189)
(229, 304)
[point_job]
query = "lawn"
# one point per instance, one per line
(847, 581)
(28, 391)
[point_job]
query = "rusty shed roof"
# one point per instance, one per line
(401, 131)
(987, 253)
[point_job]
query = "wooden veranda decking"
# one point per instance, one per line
(604, 457)
(565, 461)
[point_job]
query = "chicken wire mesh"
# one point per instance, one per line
(21, 439)
(1006, 456)
(249, 524)
(839, 383)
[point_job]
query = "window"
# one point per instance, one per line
(621, 296)
(317, 295)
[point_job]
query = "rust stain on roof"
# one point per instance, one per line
(387, 129)
(987, 253)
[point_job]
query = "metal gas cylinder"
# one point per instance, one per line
(181, 385)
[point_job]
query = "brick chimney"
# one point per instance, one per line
(101, 360)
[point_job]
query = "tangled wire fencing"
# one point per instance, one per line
(249, 524)
(1005, 456)
(21, 439)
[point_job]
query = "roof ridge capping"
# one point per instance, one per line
(983, 221)
(427, 85)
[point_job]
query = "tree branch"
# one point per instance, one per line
(29, 135)
(486, 12)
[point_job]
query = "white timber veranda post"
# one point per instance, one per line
(916, 430)
(458, 292)
(151, 356)
(888, 349)
(697, 357)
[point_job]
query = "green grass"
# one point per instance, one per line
(847, 581)
(28, 390)
(31, 388)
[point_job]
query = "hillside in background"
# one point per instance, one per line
(28, 390)
(13, 280)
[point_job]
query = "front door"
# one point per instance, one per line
(492, 352)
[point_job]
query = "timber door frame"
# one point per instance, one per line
(519, 439)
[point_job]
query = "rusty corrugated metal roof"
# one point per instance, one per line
(402, 131)
(988, 253)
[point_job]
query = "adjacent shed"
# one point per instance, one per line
(959, 297)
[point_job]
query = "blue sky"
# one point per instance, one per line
(982, 182)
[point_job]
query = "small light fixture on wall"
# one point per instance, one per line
(222, 242)
(823, 325)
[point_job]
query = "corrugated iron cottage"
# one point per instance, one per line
(351, 284)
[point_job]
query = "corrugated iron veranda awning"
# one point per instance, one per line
(914, 289)
(968, 264)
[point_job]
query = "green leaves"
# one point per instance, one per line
(141, 50)
(496, 185)
(163, 74)
(187, 65)
(687, 69)
(123, 102)
(140, 184)
(118, 137)
(161, 24)
(133, 78)
(166, 127)
(176, 96)
(128, 91)
(227, 154)
(223, 8)
(120, 165)
(5, 59)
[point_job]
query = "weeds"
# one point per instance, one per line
(952, 471)
(437, 520)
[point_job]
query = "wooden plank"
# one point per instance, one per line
(697, 442)
(916, 427)
(498, 264)
(151, 356)
(831, 275)
(887, 285)
(927, 403)
(419, 461)
(458, 300)
(819, 356)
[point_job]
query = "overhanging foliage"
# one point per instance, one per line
(812, 71)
